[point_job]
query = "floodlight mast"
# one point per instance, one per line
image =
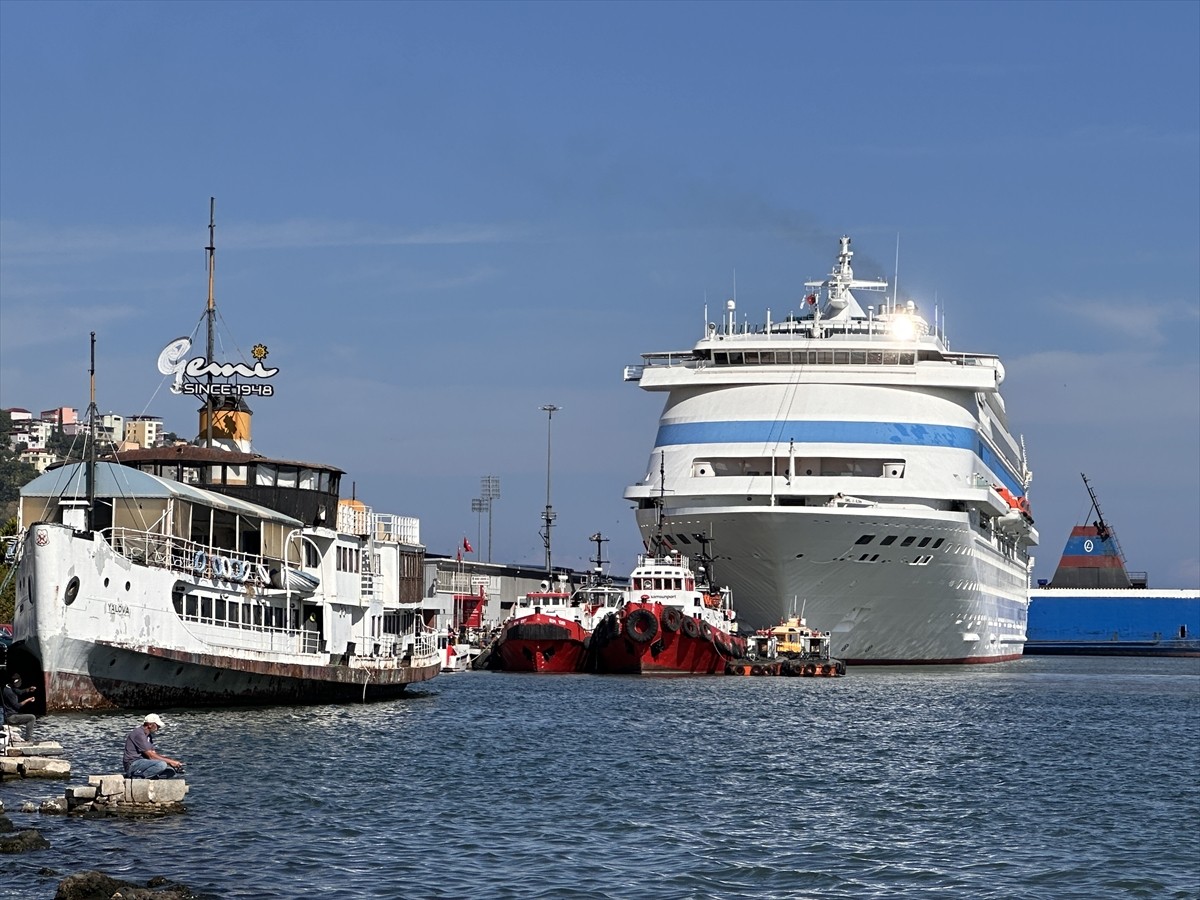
(489, 490)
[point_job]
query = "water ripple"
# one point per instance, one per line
(1040, 778)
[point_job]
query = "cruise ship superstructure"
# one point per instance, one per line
(844, 458)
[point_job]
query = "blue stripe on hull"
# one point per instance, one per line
(897, 434)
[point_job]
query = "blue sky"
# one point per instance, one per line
(440, 217)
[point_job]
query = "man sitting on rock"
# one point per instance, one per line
(15, 697)
(141, 759)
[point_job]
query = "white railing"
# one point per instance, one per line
(198, 560)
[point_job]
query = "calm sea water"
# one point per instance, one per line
(1046, 777)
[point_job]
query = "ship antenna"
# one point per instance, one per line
(896, 277)
(210, 315)
(92, 413)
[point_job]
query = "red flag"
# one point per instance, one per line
(466, 546)
(458, 555)
(812, 299)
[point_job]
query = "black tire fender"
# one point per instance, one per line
(642, 626)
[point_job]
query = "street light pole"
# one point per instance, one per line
(548, 516)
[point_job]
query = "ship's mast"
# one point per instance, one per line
(599, 540)
(548, 516)
(92, 415)
(211, 316)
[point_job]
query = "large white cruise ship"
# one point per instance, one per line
(845, 461)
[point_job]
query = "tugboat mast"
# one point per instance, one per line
(548, 516)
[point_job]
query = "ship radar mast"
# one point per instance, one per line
(548, 516)
(599, 540)
(840, 302)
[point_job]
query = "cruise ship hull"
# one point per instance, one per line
(963, 602)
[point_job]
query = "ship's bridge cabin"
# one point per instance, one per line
(305, 491)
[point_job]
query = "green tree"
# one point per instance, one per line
(8, 596)
(14, 473)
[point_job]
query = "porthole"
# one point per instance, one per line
(72, 591)
(127, 586)
(106, 582)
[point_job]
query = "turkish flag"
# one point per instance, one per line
(466, 546)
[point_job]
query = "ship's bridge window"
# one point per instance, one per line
(841, 357)
(264, 475)
(858, 357)
(683, 538)
(735, 359)
(308, 480)
(907, 541)
(890, 539)
(874, 357)
(865, 539)
(924, 542)
(938, 543)
(287, 477)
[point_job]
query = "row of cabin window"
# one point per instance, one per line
(907, 542)
(242, 615)
(664, 584)
(814, 358)
(294, 477)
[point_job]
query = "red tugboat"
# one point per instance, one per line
(550, 631)
(673, 621)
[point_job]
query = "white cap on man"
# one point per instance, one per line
(153, 719)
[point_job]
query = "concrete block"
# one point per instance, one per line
(81, 794)
(41, 767)
(169, 790)
(108, 785)
(45, 748)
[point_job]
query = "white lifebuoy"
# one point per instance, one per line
(200, 563)
(223, 567)
(241, 568)
(263, 575)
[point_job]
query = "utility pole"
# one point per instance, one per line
(548, 516)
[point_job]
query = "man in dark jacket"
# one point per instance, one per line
(15, 697)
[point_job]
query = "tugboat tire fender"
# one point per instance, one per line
(671, 618)
(642, 626)
(690, 627)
